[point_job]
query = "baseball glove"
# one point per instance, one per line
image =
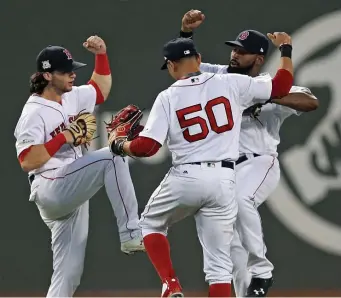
(124, 126)
(254, 111)
(83, 129)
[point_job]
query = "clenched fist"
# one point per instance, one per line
(191, 20)
(95, 44)
(279, 38)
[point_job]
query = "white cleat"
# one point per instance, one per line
(134, 245)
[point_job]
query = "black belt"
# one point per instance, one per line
(224, 164)
(31, 178)
(244, 158)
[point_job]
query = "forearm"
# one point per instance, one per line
(286, 63)
(298, 101)
(37, 155)
(285, 60)
(102, 76)
(126, 148)
(141, 147)
(35, 158)
(284, 78)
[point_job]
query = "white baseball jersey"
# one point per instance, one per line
(213, 68)
(201, 116)
(42, 119)
(262, 137)
(255, 137)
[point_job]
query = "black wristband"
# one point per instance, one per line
(117, 147)
(186, 34)
(286, 50)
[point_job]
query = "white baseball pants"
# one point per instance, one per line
(62, 198)
(208, 193)
(256, 179)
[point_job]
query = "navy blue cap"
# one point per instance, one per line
(56, 58)
(252, 41)
(177, 49)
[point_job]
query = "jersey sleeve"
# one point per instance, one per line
(29, 131)
(286, 111)
(299, 89)
(157, 125)
(213, 68)
(86, 95)
(252, 90)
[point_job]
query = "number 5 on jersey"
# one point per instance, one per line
(186, 123)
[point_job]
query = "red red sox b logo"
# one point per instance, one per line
(68, 54)
(243, 35)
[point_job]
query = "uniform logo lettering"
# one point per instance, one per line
(72, 118)
(58, 130)
(26, 141)
(68, 54)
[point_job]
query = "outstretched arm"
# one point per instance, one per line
(301, 100)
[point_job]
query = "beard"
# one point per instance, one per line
(238, 69)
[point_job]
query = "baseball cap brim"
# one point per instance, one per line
(77, 65)
(234, 43)
(74, 66)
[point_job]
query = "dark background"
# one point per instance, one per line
(134, 31)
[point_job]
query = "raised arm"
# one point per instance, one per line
(101, 77)
(190, 21)
(262, 88)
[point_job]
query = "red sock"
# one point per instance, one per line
(158, 250)
(219, 290)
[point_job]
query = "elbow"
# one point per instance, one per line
(108, 89)
(106, 93)
(105, 88)
(309, 102)
(26, 166)
(102, 89)
(314, 104)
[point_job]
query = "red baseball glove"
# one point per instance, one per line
(124, 126)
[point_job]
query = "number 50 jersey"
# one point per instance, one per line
(200, 116)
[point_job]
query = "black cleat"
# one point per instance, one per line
(259, 287)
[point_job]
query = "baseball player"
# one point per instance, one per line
(200, 116)
(55, 121)
(257, 169)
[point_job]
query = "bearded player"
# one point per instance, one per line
(257, 169)
(199, 116)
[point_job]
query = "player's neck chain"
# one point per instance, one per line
(191, 74)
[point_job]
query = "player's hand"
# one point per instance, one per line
(191, 20)
(279, 38)
(95, 44)
(68, 136)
